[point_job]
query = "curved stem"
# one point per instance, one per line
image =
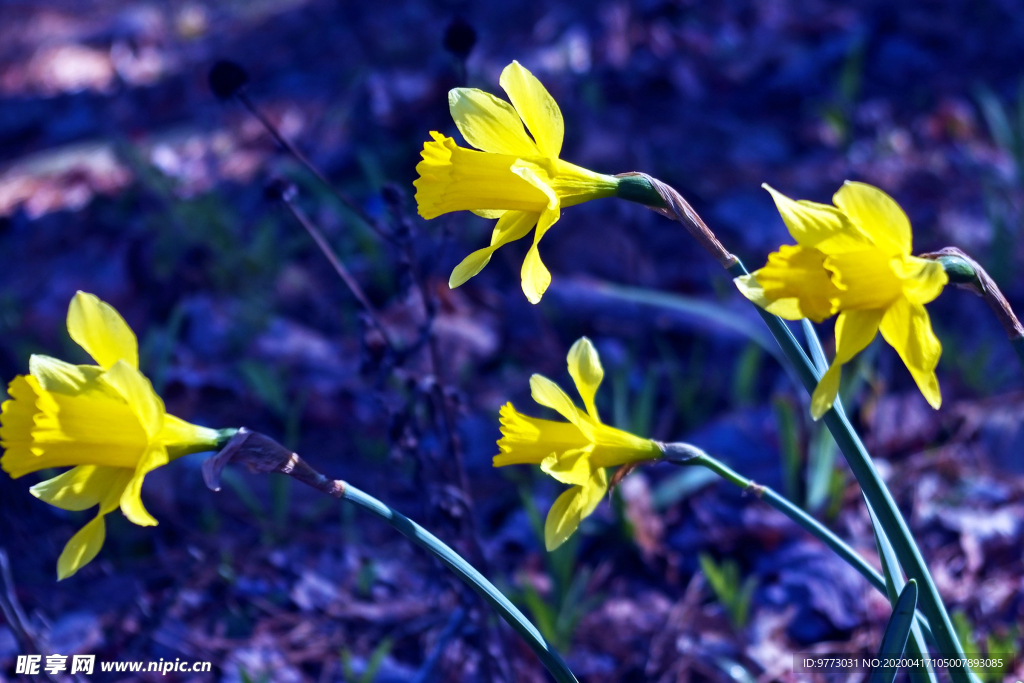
(687, 455)
(661, 198)
(874, 489)
(260, 453)
(465, 571)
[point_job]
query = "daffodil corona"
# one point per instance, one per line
(574, 452)
(854, 259)
(104, 421)
(515, 178)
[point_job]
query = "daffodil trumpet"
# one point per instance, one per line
(853, 259)
(104, 421)
(576, 452)
(514, 176)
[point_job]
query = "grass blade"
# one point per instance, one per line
(894, 641)
(704, 311)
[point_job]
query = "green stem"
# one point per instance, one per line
(688, 455)
(890, 565)
(877, 494)
(468, 574)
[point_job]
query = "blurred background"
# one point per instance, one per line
(122, 174)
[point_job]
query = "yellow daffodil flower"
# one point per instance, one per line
(574, 452)
(104, 421)
(516, 178)
(854, 259)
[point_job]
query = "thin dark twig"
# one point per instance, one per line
(404, 231)
(436, 365)
(15, 615)
(426, 336)
(11, 607)
(350, 204)
(339, 267)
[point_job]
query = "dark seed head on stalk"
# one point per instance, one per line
(459, 38)
(227, 78)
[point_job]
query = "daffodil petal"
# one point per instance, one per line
(82, 487)
(593, 492)
(815, 225)
(535, 106)
(470, 267)
(489, 123)
(61, 377)
(513, 225)
(563, 518)
(101, 331)
(488, 213)
(826, 391)
(864, 279)
(537, 175)
(82, 548)
(550, 395)
(571, 467)
(787, 307)
(536, 278)
(854, 331)
(131, 500)
(572, 507)
(922, 279)
(908, 329)
(139, 394)
(586, 372)
(86, 543)
(876, 214)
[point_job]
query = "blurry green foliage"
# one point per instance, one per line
(246, 677)
(1004, 203)
(838, 113)
(787, 420)
(1008, 644)
(373, 664)
(733, 594)
(745, 375)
